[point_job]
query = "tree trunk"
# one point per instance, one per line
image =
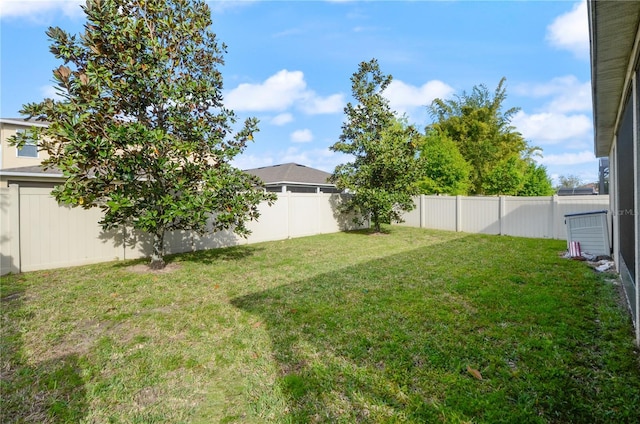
(376, 222)
(157, 257)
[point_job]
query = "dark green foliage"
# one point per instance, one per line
(536, 182)
(442, 168)
(141, 130)
(383, 174)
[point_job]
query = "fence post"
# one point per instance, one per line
(458, 213)
(14, 228)
(124, 242)
(287, 198)
(555, 234)
(501, 213)
(422, 210)
(319, 219)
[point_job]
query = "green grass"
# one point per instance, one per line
(337, 328)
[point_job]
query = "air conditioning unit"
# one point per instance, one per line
(591, 230)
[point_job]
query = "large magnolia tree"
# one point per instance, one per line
(140, 129)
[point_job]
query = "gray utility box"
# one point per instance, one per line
(591, 230)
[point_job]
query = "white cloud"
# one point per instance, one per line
(552, 128)
(404, 97)
(50, 92)
(567, 159)
(282, 119)
(567, 92)
(221, 6)
(369, 29)
(302, 136)
(315, 105)
(280, 92)
(570, 31)
(252, 161)
(292, 32)
(37, 10)
(323, 159)
(412, 100)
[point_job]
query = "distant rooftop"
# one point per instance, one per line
(32, 171)
(291, 173)
(578, 191)
(22, 121)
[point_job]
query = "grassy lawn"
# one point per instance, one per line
(411, 326)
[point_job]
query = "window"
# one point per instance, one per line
(30, 149)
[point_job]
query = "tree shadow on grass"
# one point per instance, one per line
(205, 257)
(50, 391)
(351, 345)
(233, 253)
(393, 340)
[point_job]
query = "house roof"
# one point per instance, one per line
(291, 173)
(613, 27)
(24, 122)
(32, 171)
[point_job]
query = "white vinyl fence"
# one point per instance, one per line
(37, 233)
(536, 217)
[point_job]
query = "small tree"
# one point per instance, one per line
(505, 177)
(536, 181)
(383, 174)
(141, 130)
(569, 181)
(518, 177)
(442, 169)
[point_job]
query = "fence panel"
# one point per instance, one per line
(9, 230)
(527, 217)
(413, 218)
(479, 215)
(304, 215)
(52, 236)
(438, 212)
(537, 217)
(37, 233)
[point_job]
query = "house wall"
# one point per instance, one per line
(37, 233)
(614, 32)
(536, 217)
(9, 154)
(626, 244)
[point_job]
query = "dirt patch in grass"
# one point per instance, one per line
(146, 269)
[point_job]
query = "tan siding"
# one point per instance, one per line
(10, 157)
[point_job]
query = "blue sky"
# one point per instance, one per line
(289, 64)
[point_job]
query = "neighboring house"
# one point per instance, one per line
(615, 78)
(294, 178)
(22, 166)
